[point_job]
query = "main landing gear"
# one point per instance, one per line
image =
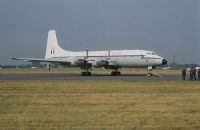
(86, 73)
(115, 73)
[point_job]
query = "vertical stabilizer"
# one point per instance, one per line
(52, 48)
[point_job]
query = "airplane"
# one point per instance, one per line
(110, 59)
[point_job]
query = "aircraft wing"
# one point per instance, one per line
(43, 60)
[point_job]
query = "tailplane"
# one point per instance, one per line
(52, 48)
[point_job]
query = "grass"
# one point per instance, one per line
(90, 105)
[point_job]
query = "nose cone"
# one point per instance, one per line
(164, 62)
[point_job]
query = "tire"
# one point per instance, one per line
(114, 73)
(83, 73)
(89, 73)
(118, 73)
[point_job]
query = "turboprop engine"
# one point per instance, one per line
(102, 63)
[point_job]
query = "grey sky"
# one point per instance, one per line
(168, 27)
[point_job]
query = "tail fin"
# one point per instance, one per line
(52, 48)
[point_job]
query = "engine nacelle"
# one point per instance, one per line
(102, 63)
(80, 62)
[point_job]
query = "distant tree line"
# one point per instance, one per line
(181, 66)
(22, 66)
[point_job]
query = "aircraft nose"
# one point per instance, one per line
(164, 62)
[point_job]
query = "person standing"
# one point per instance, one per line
(191, 74)
(194, 73)
(183, 74)
(199, 73)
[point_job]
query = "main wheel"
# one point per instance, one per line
(115, 73)
(83, 73)
(89, 73)
(118, 73)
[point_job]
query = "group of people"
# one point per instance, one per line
(192, 75)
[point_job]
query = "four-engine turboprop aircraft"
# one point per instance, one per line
(111, 59)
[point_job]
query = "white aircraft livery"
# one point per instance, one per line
(111, 59)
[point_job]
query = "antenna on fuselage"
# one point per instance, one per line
(109, 54)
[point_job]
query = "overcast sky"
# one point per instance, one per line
(168, 27)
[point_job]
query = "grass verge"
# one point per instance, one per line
(100, 105)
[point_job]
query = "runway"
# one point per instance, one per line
(58, 76)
